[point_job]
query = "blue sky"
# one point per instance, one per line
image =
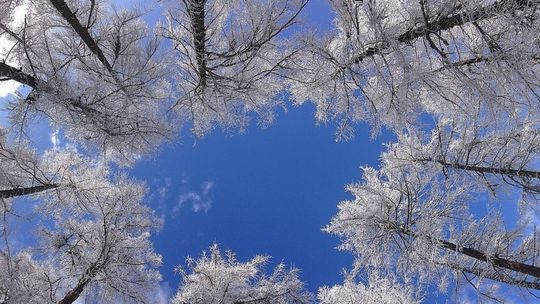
(264, 192)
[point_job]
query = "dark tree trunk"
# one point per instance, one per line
(74, 293)
(196, 11)
(7, 71)
(64, 10)
(503, 171)
(26, 191)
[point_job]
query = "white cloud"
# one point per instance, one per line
(159, 197)
(199, 202)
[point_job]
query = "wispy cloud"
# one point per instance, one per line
(159, 197)
(200, 201)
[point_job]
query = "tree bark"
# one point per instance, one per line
(7, 71)
(503, 171)
(26, 191)
(74, 293)
(196, 11)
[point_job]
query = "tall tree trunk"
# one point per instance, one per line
(26, 191)
(74, 293)
(196, 12)
(64, 10)
(504, 171)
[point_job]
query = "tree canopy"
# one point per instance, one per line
(457, 82)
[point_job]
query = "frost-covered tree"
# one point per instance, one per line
(378, 290)
(457, 81)
(20, 173)
(488, 156)
(218, 278)
(91, 70)
(101, 253)
(93, 231)
(389, 61)
(419, 222)
(229, 58)
(23, 172)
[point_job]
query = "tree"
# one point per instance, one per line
(94, 232)
(457, 82)
(392, 62)
(378, 291)
(91, 71)
(488, 156)
(20, 173)
(214, 278)
(229, 58)
(417, 220)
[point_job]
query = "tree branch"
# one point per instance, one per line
(12, 73)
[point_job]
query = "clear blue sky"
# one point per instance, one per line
(271, 192)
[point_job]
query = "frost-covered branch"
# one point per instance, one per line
(217, 278)
(229, 58)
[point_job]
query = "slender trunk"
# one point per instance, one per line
(74, 293)
(64, 10)
(479, 255)
(26, 191)
(196, 11)
(504, 171)
(7, 71)
(449, 22)
(494, 276)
